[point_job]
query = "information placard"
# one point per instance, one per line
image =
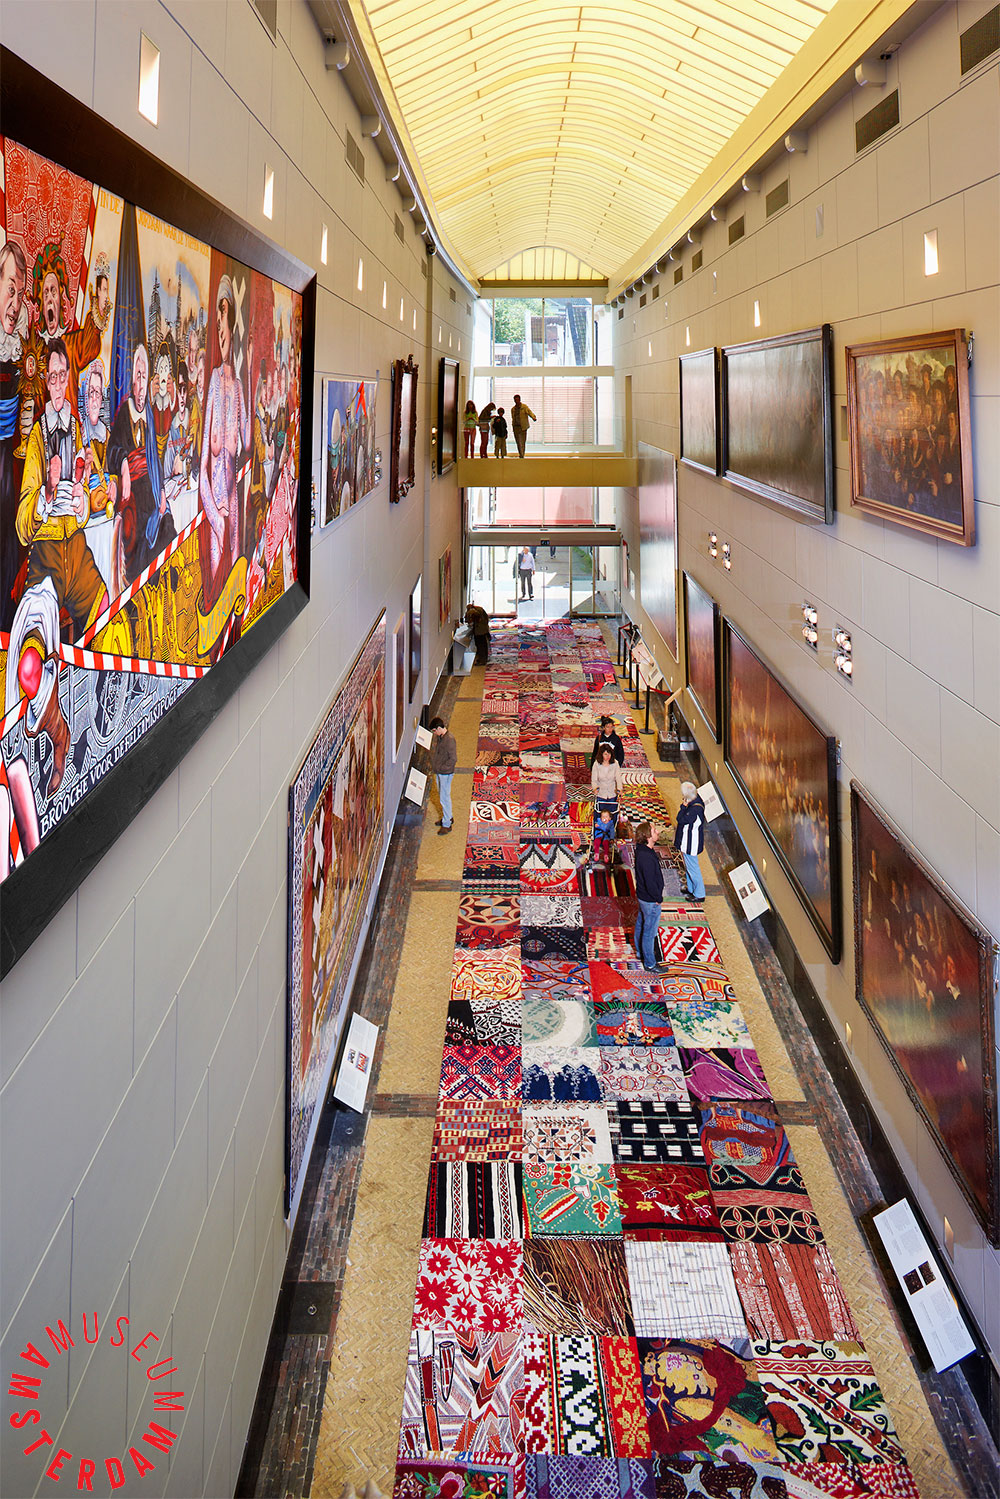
(356, 1063)
(713, 801)
(747, 887)
(416, 785)
(931, 1304)
(424, 738)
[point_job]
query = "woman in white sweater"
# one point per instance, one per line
(606, 777)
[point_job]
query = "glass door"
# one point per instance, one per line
(493, 579)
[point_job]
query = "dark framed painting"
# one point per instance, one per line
(415, 627)
(351, 468)
(145, 565)
(658, 541)
(786, 766)
(398, 684)
(777, 420)
(702, 626)
(924, 977)
(447, 424)
(444, 589)
(910, 433)
(335, 836)
(403, 442)
(699, 404)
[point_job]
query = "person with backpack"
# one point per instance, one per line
(690, 838)
(499, 434)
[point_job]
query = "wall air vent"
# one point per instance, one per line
(642, 300)
(397, 224)
(696, 260)
(776, 198)
(737, 229)
(621, 313)
(678, 274)
(877, 122)
(355, 157)
(451, 293)
(268, 12)
(656, 291)
(981, 40)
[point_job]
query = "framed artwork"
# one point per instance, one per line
(924, 977)
(786, 767)
(444, 589)
(658, 541)
(403, 443)
(415, 635)
(777, 421)
(447, 424)
(627, 578)
(351, 468)
(335, 807)
(699, 401)
(911, 433)
(398, 684)
(702, 624)
(142, 574)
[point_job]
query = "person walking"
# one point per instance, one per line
(608, 735)
(444, 758)
(520, 416)
(477, 617)
(485, 423)
(606, 779)
(526, 573)
(499, 434)
(649, 893)
(690, 838)
(470, 421)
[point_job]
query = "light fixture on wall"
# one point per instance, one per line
(149, 79)
(649, 348)
(750, 182)
(756, 313)
(393, 170)
(400, 309)
(371, 126)
(713, 544)
(810, 621)
(336, 54)
(727, 556)
(409, 204)
(361, 274)
(930, 253)
(870, 70)
(718, 214)
(819, 221)
(385, 295)
(267, 207)
(324, 241)
(414, 320)
(797, 141)
(715, 283)
(843, 651)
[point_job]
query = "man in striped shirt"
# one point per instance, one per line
(690, 838)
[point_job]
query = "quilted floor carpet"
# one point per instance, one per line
(624, 1291)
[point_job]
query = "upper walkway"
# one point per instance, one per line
(574, 470)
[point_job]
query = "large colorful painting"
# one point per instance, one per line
(658, 541)
(335, 822)
(777, 420)
(444, 589)
(911, 434)
(699, 400)
(350, 462)
(447, 445)
(152, 414)
(924, 975)
(786, 766)
(701, 623)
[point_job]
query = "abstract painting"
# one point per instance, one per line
(701, 624)
(658, 541)
(923, 975)
(699, 393)
(444, 589)
(335, 816)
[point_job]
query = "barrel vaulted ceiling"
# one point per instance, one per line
(538, 123)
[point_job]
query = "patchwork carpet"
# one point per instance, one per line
(624, 1291)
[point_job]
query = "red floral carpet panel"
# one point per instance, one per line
(623, 1291)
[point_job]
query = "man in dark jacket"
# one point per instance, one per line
(444, 758)
(608, 736)
(480, 622)
(649, 893)
(690, 838)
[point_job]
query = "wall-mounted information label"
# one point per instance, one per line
(931, 1304)
(416, 784)
(712, 800)
(356, 1063)
(424, 738)
(747, 887)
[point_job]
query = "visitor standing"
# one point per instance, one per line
(526, 573)
(444, 758)
(608, 735)
(606, 779)
(485, 423)
(470, 421)
(690, 838)
(520, 417)
(499, 434)
(477, 617)
(649, 893)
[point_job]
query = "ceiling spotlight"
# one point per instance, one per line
(751, 182)
(718, 214)
(727, 556)
(694, 236)
(648, 276)
(843, 651)
(810, 620)
(713, 544)
(662, 263)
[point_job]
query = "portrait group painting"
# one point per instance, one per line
(351, 463)
(910, 433)
(786, 766)
(701, 617)
(150, 433)
(658, 540)
(923, 973)
(777, 427)
(335, 842)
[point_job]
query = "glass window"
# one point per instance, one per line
(569, 411)
(518, 330)
(568, 331)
